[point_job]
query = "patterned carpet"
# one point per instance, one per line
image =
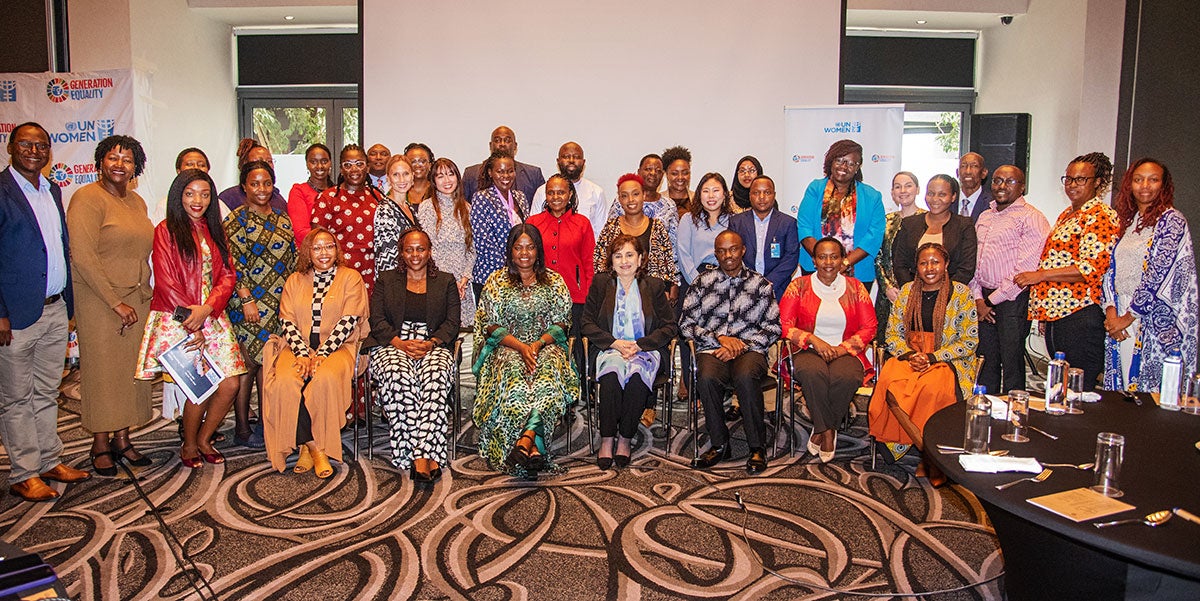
(656, 531)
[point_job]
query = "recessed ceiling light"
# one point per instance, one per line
(921, 22)
(289, 18)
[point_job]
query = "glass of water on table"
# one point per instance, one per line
(1191, 395)
(1018, 416)
(1074, 391)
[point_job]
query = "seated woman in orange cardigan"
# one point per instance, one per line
(931, 335)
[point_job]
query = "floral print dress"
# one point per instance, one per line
(351, 218)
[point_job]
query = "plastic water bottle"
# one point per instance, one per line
(1056, 384)
(1168, 389)
(978, 430)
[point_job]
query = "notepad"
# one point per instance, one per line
(1080, 504)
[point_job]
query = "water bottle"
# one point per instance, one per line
(978, 431)
(1168, 388)
(1056, 384)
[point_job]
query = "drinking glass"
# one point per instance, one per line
(1018, 416)
(1074, 391)
(1110, 451)
(1191, 395)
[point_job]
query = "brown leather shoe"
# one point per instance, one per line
(62, 473)
(33, 489)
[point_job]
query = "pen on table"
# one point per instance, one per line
(1043, 433)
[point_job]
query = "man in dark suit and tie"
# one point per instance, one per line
(529, 177)
(771, 239)
(35, 305)
(975, 195)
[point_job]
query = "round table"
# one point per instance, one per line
(1049, 556)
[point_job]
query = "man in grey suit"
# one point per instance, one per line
(529, 177)
(974, 196)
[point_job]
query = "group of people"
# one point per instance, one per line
(404, 251)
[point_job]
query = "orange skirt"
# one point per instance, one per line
(920, 394)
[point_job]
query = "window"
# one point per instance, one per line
(287, 120)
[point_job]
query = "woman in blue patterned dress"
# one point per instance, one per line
(495, 208)
(1150, 286)
(526, 380)
(263, 247)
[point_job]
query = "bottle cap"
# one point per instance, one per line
(1060, 355)
(1174, 353)
(979, 389)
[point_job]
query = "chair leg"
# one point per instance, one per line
(368, 404)
(355, 391)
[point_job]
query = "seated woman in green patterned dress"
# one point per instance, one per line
(526, 379)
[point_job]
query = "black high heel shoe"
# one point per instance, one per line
(107, 472)
(142, 461)
(604, 463)
(621, 461)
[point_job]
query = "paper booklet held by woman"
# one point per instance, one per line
(194, 372)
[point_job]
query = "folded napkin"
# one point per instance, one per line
(990, 464)
(999, 406)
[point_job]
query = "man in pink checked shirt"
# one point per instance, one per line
(1011, 233)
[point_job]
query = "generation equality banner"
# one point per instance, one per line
(77, 110)
(810, 130)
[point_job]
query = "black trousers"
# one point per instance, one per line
(1081, 336)
(744, 375)
(1002, 345)
(620, 409)
(828, 387)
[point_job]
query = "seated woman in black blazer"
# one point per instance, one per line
(940, 225)
(414, 322)
(629, 323)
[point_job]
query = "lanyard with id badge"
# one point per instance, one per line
(776, 249)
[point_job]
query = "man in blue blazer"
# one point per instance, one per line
(975, 191)
(35, 305)
(771, 239)
(529, 177)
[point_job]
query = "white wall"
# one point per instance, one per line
(1060, 62)
(623, 78)
(183, 80)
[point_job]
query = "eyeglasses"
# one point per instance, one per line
(747, 171)
(1068, 180)
(999, 181)
(845, 162)
(27, 145)
(349, 164)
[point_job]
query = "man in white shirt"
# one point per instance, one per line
(592, 203)
(974, 197)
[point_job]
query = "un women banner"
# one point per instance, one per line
(810, 130)
(77, 110)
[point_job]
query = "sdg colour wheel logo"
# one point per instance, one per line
(60, 174)
(56, 90)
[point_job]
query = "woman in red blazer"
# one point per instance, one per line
(828, 320)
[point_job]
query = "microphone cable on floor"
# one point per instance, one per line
(193, 574)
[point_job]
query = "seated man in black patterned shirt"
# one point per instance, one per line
(732, 316)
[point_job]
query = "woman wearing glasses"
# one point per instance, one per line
(348, 211)
(1065, 290)
(840, 205)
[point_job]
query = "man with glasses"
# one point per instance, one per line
(974, 193)
(592, 203)
(1011, 233)
(35, 304)
(529, 177)
(1065, 290)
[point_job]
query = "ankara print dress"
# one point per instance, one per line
(510, 399)
(263, 248)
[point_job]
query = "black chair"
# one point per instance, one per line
(363, 387)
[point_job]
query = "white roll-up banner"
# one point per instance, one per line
(810, 130)
(77, 109)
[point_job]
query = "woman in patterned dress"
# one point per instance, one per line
(1150, 293)
(523, 366)
(932, 334)
(323, 315)
(394, 216)
(263, 247)
(414, 323)
(652, 233)
(347, 210)
(192, 269)
(905, 189)
(447, 220)
(495, 209)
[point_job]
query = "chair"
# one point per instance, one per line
(363, 386)
(769, 383)
(663, 389)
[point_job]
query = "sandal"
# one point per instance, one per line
(304, 462)
(321, 464)
(107, 472)
(519, 455)
(141, 461)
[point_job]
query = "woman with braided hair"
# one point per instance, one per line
(931, 335)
